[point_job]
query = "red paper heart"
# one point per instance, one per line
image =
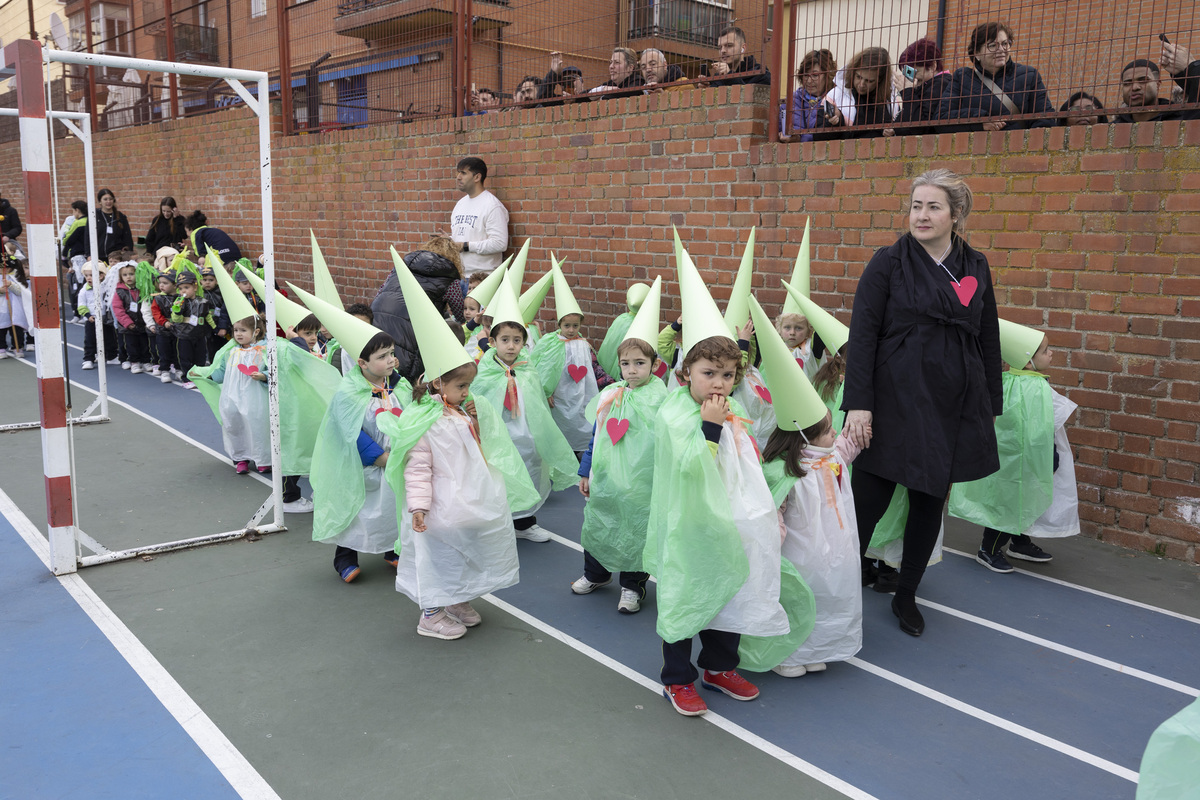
(800, 361)
(248, 370)
(576, 371)
(616, 428)
(394, 409)
(764, 393)
(965, 289)
(661, 369)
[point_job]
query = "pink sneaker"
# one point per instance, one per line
(242, 467)
(441, 626)
(464, 614)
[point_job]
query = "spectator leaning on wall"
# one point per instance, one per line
(479, 221)
(994, 86)
(656, 71)
(1142, 85)
(527, 89)
(733, 63)
(623, 73)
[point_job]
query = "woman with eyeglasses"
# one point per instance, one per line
(992, 91)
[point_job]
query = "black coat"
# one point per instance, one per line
(926, 366)
(121, 237)
(966, 98)
(435, 274)
(220, 242)
(740, 77)
(10, 226)
(1189, 79)
(921, 103)
(164, 233)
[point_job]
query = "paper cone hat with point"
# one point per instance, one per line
(800, 274)
(323, 285)
(797, 404)
(737, 310)
(505, 307)
(235, 302)
(486, 290)
(350, 331)
(287, 313)
(645, 325)
(833, 332)
(441, 351)
(701, 317)
(515, 275)
(564, 298)
(530, 301)
(1018, 343)
(635, 295)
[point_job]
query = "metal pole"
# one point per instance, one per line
(941, 25)
(172, 78)
(777, 62)
(89, 177)
(791, 68)
(285, 69)
(268, 240)
(91, 76)
(32, 28)
(469, 36)
(456, 77)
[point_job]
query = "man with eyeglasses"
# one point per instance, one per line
(995, 89)
(1141, 84)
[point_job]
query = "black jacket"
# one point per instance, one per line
(740, 77)
(435, 274)
(966, 98)
(219, 241)
(926, 366)
(121, 237)
(164, 233)
(77, 242)
(868, 110)
(10, 226)
(921, 103)
(633, 83)
(1189, 79)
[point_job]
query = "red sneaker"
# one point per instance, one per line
(730, 683)
(683, 696)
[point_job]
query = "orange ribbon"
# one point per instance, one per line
(830, 470)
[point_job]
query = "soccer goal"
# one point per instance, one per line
(27, 60)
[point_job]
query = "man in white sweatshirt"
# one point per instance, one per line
(479, 221)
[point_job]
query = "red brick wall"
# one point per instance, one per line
(1092, 235)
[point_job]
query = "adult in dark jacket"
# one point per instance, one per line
(1083, 108)
(10, 225)
(166, 229)
(1141, 86)
(623, 73)
(435, 273)
(923, 382)
(865, 99)
(203, 237)
(921, 101)
(968, 97)
(113, 233)
(561, 84)
(733, 65)
(655, 70)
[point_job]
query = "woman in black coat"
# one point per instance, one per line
(204, 238)
(923, 376)
(922, 61)
(968, 97)
(436, 273)
(166, 229)
(112, 227)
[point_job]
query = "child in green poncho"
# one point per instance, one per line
(1034, 491)
(335, 354)
(616, 475)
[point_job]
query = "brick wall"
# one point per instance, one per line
(1092, 234)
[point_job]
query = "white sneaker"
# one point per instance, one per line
(630, 602)
(584, 586)
(301, 506)
(29, 346)
(441, 626)
(189, 385)
(125, 365)
(818, 667)
(534, 533)
(154, 370)
(789, 672)
(165, 377)
(136, 369)
(89, 365)
(3, 354)
(112, 362)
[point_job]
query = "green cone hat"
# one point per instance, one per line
(441, 352)
(701, 317)
(505, 307)
(564, 298)
(800, 274)
(287, 313)
(516, 272)
(833, 332)
(1018, 343)
(645, 325)
(797, 404)
(350, 331)
(635, 295)
(737, 310)
(486, 290)
(235, 302)
(323, 284)
(530, 301)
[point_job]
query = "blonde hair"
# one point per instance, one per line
(792, 317)
(448, 249)
(957, 192)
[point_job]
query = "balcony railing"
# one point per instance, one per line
(694, 21)
(193, 44)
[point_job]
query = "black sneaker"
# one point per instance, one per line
(996, 562)
(1028, 551)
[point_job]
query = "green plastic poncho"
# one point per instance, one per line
(1011, 499)
(764, 653)
(693, 546)
(618, 506)
(529, 406)
(306, 386)
(1171, 764)
(835, 408)
(548, 357)
(607, 354)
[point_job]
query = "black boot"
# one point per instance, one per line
(888, 579)
(904, 606)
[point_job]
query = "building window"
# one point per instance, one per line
(258, 8)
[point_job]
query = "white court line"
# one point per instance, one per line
(241, 775)
(1070, 651)
(1089, 590)
(999, 722)
(732, 728)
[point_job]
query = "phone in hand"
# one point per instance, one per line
(1162, 37)
(910, 72)
(829, 109)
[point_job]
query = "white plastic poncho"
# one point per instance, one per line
(754, 396)
(16, 305)
(245, 424)
(469, 547)
(1061, 519)
(575, 389)
(373, 529)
